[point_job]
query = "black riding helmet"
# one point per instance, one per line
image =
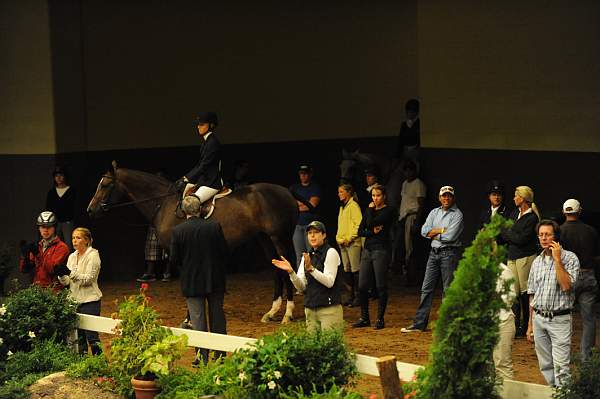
(495, 186)
(207, 117)
(46, 219)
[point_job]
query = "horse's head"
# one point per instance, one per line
(103, 197)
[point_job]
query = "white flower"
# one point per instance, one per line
(1, 341)
(277, 374)
(9, 353)
(271, 385)
(31, 334)
(242, 376)
(2, 310)
(217, 380)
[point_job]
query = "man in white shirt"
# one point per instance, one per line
(411, 212)
(507, 329)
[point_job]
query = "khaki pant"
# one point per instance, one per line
(503, 350)
(324, 318)
(520, 269)
(351, 258)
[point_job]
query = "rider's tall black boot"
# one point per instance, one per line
(381, 305)
(364, 311)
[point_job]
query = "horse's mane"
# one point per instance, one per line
(150, 178)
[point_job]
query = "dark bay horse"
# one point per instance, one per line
(262, 210)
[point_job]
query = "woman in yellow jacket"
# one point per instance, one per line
(349, 219)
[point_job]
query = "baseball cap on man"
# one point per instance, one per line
(447, 189)
(304, 168)
(571, 206)
(316, 225)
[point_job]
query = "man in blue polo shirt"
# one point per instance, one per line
(443, 227)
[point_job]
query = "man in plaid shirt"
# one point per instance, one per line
(551, 299)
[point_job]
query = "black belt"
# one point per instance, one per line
(551, 314)
(442, 249)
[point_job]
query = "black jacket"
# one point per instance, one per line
(486, 214)
(382, 217)
(63, 207)
(521, 237)
(207, 171)
(582, 239)
(199, 251)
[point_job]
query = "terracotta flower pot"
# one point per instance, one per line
(145, 389)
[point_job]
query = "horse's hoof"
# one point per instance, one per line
(286, 319)
(266, 318)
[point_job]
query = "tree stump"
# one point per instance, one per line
(388, 376)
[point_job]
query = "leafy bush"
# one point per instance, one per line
(333, 393)
(585, 380)
(297, 359)
(89, 366)
(466, 331)
(35, 314)
(22, 369)
(289, 362)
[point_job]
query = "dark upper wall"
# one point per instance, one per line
(510, 75)
(274, 71)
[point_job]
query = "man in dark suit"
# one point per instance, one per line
(207, 172)
(199, 250)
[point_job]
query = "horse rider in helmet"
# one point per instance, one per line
(207, 172)
(46, 254)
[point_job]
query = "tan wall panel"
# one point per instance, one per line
(273, 71)
(26, 105)
(510, 75)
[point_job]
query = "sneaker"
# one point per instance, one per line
(410, 329)
(379, 324)
(187, 324)
(166, 277)
(147, 278)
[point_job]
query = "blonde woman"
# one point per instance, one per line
(522, 249)
(81, 275)
(349, 219)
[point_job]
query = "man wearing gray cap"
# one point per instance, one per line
(582, 239)
(443, 227)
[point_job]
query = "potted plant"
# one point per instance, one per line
(143, 349)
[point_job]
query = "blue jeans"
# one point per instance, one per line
(586, 288)
(300, 243)
(442, 262)
(552, 338)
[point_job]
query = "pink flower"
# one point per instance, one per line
(145, 286)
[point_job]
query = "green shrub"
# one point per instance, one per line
(35, 314)
(585, 380)
(288, 362)
(333, 393)
(22, 369)
(88, 367)
(44, 357)
(293, 359)
(466, 331)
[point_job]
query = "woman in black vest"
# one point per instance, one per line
(320, 276)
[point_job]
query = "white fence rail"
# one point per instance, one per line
(364, 364)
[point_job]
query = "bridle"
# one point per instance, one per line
(105, 204)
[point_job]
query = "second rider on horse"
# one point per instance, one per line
(206, 175)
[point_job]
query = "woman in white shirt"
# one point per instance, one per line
(320, 276)
(81, 275)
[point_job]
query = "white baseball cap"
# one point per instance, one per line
(571, 206)
(447, 189)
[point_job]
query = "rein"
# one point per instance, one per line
(105, 206)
